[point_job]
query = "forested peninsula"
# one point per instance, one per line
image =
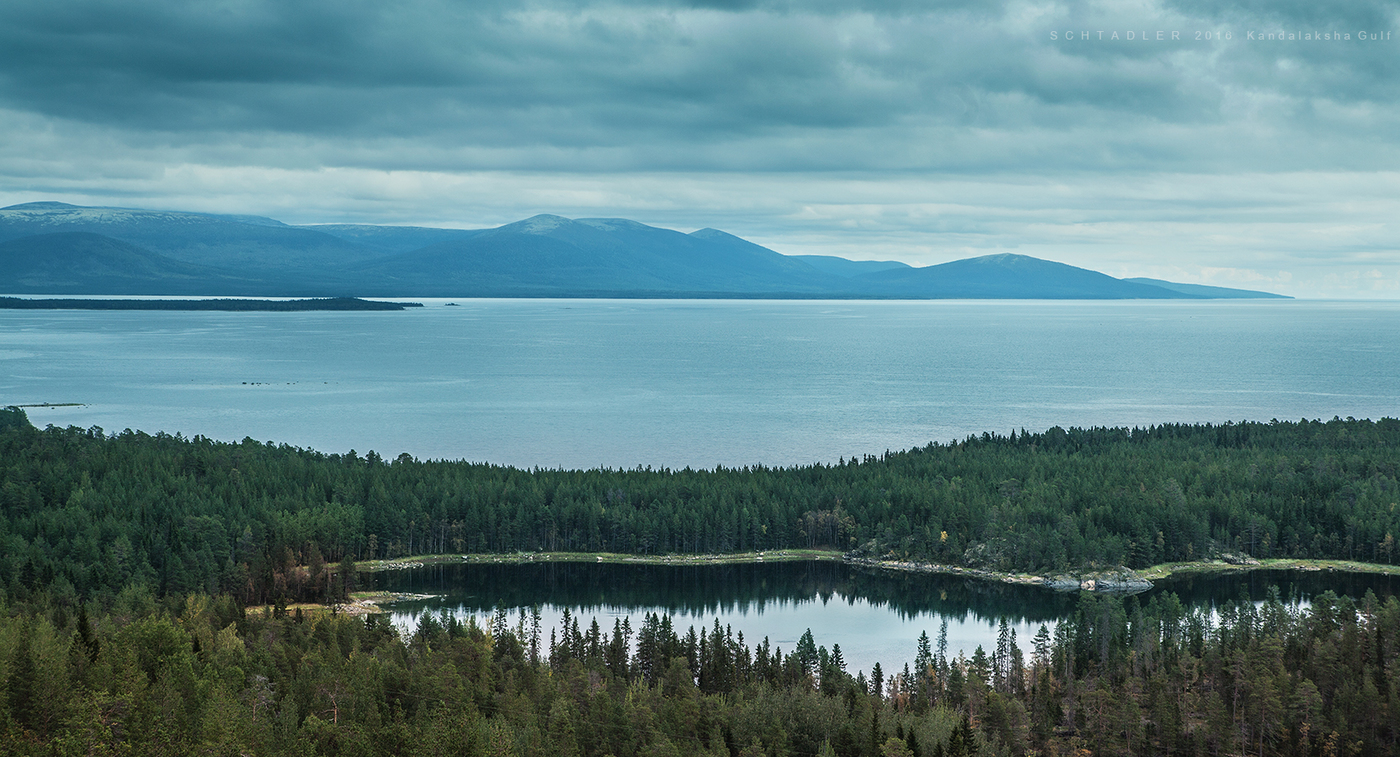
(221, 304)
(130, 562)
(86, 512)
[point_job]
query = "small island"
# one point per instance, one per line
(323, 303)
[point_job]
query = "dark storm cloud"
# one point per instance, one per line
(782, 85)
(879, 129)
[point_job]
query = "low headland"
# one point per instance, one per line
(1065, 509)
(219, 304)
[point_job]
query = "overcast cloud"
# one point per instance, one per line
(913, 131)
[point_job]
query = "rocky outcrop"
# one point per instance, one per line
(1118, 582)
(1121, 581)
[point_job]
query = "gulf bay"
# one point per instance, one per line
(674, 383)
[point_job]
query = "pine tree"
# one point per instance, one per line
(980, 665)
(807, 653)
(875, 728)
(22, 679)
(941, 659)
(1001, 659)
(1041, 658)
(89, 643)
(563, 741)
(1018, 668)
(535, 635)
(924, 657)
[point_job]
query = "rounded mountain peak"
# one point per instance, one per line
(40, 206)
(540, 224)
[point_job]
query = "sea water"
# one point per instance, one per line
(674, 383)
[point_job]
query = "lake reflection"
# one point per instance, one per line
(874, 615)
(1295, 586)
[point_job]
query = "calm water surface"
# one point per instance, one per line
(582, 383)
(876, 616)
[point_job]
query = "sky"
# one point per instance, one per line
(1246, 143)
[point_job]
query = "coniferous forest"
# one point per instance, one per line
(129, 561)
(84, 513)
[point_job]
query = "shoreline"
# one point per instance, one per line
(1107, 580)
(615, 558)
(223, 304)
(1169, 570)
(1111, 581)
(361, 603)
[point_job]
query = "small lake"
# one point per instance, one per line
(875, 615)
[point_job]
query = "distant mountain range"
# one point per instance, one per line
(56, 248)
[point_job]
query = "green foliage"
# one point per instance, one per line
(13, 418)
(127, 560)
(86, 514)
(196, 677)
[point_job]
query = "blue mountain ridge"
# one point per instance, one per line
(58, 248)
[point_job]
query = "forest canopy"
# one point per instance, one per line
(85, 512)
(130, 560)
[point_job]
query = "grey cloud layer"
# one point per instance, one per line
(721, 86)
(902, 129)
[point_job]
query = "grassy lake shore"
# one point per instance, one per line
(360, 603)
(525, 558)
(1105, 578)
(370, 602)
(366, 602)
(1167, 570)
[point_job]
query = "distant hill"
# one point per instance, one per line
(848, 268)
(1008, 276)
(248, 246)
(56, 248)
(1210, 292)
(79, 262)
(391, 239)
(552, 256)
